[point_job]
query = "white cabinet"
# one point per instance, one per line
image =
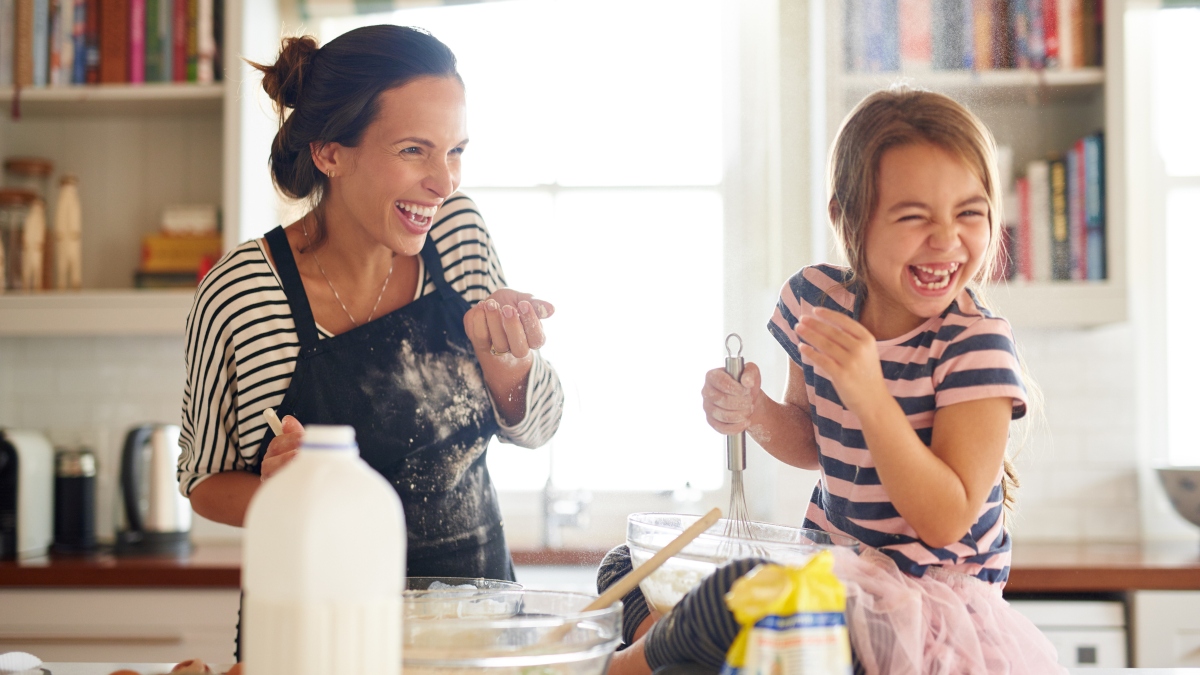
(1036, 113)
(136, 149)
(120, 624)
(1166, 629)
(1086, 633)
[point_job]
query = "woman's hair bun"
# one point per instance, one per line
(284, 80)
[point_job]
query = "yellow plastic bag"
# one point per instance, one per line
(793, 621)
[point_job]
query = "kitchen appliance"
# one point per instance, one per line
(26, 493)
(74, 502)
(153, 518)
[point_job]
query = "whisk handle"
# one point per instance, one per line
(735, 445)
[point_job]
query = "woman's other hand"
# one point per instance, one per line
(283, 448)
(507, 325)
(728, 403)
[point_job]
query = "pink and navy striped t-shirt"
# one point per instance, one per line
(965, 354)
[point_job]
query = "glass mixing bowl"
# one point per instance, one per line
(647, 533)
(507, 632)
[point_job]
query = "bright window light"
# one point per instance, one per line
(1175, 101)
(596, 158)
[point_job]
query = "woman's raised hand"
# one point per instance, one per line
(728, 403)
(283, 448)
(507, 325)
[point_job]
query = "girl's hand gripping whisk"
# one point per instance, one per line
(737, 523)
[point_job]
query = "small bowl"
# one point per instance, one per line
(647, 533)
(525, 629)
(1182, 484)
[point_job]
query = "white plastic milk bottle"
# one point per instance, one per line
(323, 565)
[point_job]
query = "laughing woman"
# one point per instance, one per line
(384, 307)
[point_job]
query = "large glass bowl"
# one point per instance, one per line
(647, 533)
(507, 632)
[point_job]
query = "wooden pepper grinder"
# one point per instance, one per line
(68, 235)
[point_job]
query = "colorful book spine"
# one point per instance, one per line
(879, 37)
(23, 44)
(8, 18)
(41, 43)
(166, 23)
(1066, 34)
(1024, 231)
(982, 23)
(1094, 207)
(1075, 226)
(205, 45)
(947, 34)
(916, 38)
(1037, 34)
(153, 43)
(78, 37)
(179, 32)
(66, 32)
(1050, 32)
(54, 40)
(91, 38)
(137, 41)
(1059, 217)
(193, 40)
(1018, 12)
(1040, 228)
(114, 41)
(1003, 39)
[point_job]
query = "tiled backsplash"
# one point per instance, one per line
(1078, 468)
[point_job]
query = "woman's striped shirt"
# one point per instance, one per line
(965, 354)
(242, 348)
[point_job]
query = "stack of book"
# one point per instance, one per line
(65, 42)
(186, 246)
(1056, 221)
(917, 35)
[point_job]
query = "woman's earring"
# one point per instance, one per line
(330, 174)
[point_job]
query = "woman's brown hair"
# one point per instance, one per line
(333, 94)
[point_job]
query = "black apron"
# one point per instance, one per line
(410, 385)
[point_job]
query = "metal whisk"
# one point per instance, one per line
(737, 518)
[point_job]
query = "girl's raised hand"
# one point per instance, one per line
(846, 350)
(507, 325)
(728, 403)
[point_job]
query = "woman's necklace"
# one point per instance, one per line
(335, 293)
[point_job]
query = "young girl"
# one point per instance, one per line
(901, 385)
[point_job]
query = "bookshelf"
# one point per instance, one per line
(137, 148)
(1036, 113)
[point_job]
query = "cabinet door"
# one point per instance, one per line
(1166, 628)
(120, 625)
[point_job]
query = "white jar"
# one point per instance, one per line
(323, 565)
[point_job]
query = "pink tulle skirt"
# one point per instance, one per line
(945, 623)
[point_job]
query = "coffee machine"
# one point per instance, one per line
(153, 518)
(26, 494)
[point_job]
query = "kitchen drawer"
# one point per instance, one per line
(1166, 628)
(120, 625)
(1086, 633)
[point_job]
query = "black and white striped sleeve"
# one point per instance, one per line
(473, 269)
(240, 355)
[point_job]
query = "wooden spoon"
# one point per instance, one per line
(628, 582)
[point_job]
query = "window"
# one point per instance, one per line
(596, 158)
(1177, 139)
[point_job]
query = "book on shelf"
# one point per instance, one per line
(7, 38)
(1059, 221)
(919, 35)
(70, 42)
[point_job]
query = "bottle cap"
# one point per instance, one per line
(328, 437)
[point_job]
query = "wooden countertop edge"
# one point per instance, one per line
(1112, 579)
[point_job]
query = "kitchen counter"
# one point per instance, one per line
(1036, 568)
